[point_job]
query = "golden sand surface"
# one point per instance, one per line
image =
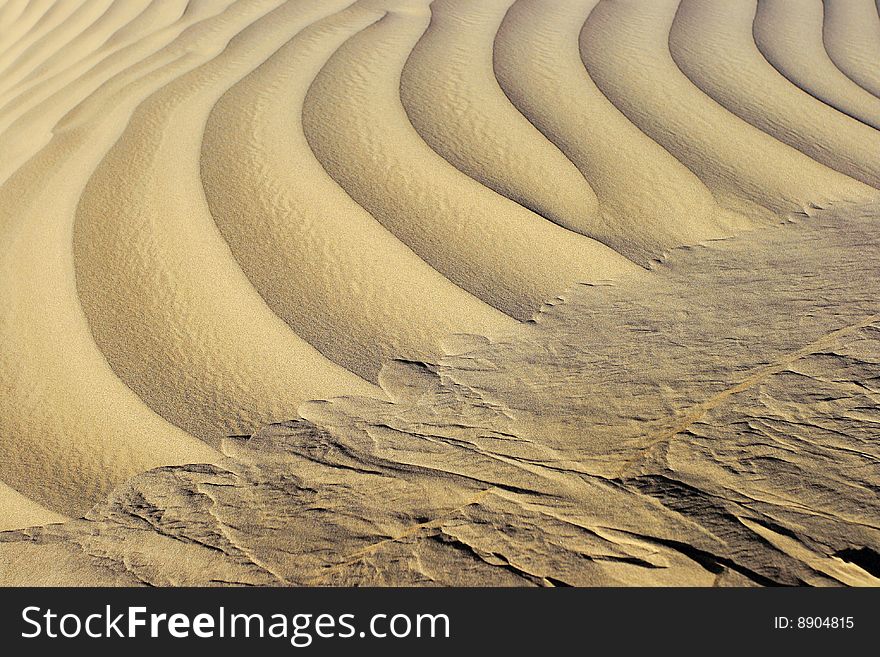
(222, 217)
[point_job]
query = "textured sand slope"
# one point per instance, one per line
(335, 274)
(713, 44)
(501, 252)
(789, 34)
(450, 93)
(70, 429)
(695, 444)
(215, 211)
(851, 32)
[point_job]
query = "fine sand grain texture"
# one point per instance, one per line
(18, 511)
(789, 35)
(450, 93)
(851, 34)
(462, 292)
(498, 250)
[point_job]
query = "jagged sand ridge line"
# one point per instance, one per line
(752, 379)
(214, 211)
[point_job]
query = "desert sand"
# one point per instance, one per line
(519, 292)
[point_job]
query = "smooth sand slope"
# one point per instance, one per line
(713, 43)
(851, 33)
(18, 511)
(789, 34)
(450, 94)
(214, 211)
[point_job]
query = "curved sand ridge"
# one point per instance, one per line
(212, 211)
(713, 44)
(367, 297)
(733, 158)
(450, 93)
(167, 303)
(70, 429)
(496, 249)
(27, 120)
(789, 34)
(851, 33)
(649, 201)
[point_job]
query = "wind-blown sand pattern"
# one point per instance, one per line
(852, 40)
(789, 35)
(512, 292)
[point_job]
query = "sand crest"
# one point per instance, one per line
(356, 217)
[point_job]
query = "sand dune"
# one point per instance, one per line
(92, 40)
(712, 42)
(366, 297)
(29, 29)
(71, 429)
(743, 452)
(450, 93)
(221, 214)
(789, 34)
(851, 33)
(496, 249)
(61, 31)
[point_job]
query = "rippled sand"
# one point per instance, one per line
(219, 215)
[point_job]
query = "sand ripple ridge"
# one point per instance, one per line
(215, 211)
